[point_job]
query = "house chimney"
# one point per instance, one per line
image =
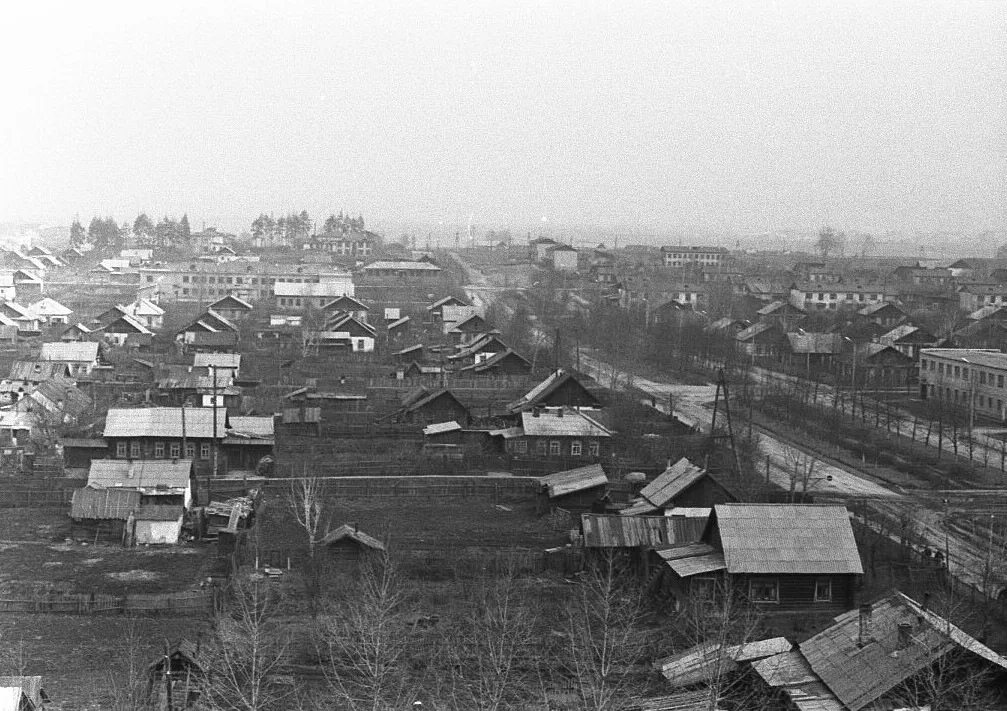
(866, 633)
(905, 635)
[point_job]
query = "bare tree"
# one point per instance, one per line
(245, 654)
(307, 503)
(603, 641)
(127, 680)
(491, 644)
(365, 639)
(800, 471)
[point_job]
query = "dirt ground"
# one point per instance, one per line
(37, 557)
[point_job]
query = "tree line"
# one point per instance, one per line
(298, 226)
(106, 233)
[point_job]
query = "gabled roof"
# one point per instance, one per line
(231, 302)
(706, 661)
(496, 359)
(93, 503)
(882, 306)
(71, 352)
(787, 539)
(447, 301)
(541, 392)
(779, 307)
(574, 480)
(16, 310)
(49, 307)
(561, 422)
(345, 303)
(128, 324)
(211, 321)
(398, 323)
(485, 342)
(164, 422)
(670, 483)
(421, 397)
(860, 674)
(472, 320)
(139, 473)
(347, 532)
(756, 329)
(146, 307)
(349, 324)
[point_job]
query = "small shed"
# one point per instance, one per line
(174, 679)
(575, 489)
(101, 514)
(348, 547)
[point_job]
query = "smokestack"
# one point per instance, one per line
(905, 635)
(866, 633)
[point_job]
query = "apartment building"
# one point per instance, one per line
(972, 297)
(201, 281)
(815, 296)
(693, 256)
(961, 375)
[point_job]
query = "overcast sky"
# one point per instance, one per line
(874, 116)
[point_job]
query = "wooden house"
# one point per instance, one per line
(249, 440)
(435, 311)
(786, 558)
(683, 484)
(165, 433)
(346, 305)
(422, 406)
(82, 357)
(399, 328)
(508, 362)
(561, 388)
(892, 654)
(101, 514)
(761, 340)
(208, 331)
(409, 354)
(467, 328)
(878, 365)
(233, 308)
(300, 421)
(885, 314)
(782, 313)
(559, 434)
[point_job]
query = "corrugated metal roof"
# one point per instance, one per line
(858, 675)
(73, 351)
(140, 473)
(614, 531)
(561, 422)
(573, 480)
(668, 484)
(92, 503)
(787, 539)
(164, 422)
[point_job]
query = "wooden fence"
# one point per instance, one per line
(180, 604)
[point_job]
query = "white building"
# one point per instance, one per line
(687, 256)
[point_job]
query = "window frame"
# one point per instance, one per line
(771, 584)
(134, 449)
(158, 450)
(204, 450)
(174, 448)
(576, 448)
(555, 448)
(121, 449)
(827, 582)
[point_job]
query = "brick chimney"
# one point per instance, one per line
(866, 631)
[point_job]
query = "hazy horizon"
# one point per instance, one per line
(723, 120)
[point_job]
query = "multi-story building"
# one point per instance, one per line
(200, 281)
(815, 296)
(964, 375)
(972, 297)
(693, 256)
(357, 245)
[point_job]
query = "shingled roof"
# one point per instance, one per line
(787, 539)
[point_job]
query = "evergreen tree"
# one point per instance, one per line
(77, 234)
(96, 233)
(143, 228)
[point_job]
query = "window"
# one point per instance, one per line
(159, 450)
(823, 590)
(173, 449)
(958, 370)
(832, 297)
(120, 450)
(764, 590)
(940, 368)
(190, 450)
(982, 377)
(575, 448)
(1000, 381)
(965, 373)
(521, 446)
(204, 450)
(703, 588)
(540, 447)
(849, 296)
(592, 448)
(185, 278)
(134, 449)
(554, 448)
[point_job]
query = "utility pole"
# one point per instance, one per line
(209, 482)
